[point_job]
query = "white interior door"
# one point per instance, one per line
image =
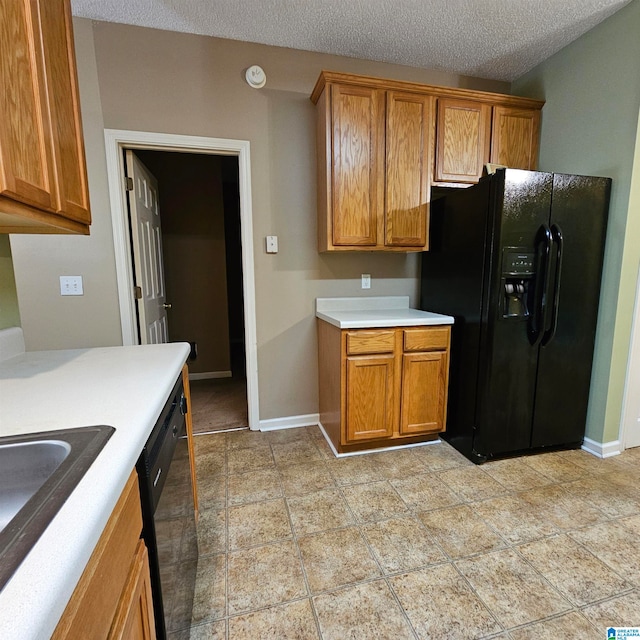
(147, 252)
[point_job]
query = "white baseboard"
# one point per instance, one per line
(313, 419)
(291, 422)
(207, 375)
(602, 449)
(378, 450)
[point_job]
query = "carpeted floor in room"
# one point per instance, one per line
(218, 404)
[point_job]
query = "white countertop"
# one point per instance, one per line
(374, 312)
(125, 387)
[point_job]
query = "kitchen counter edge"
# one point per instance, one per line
(377, 319)
(124, 387)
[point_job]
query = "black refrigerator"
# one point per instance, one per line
(517, 260)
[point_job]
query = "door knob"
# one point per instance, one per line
(167, 305)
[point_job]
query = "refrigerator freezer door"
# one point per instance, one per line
(508, 361)
(579, 214)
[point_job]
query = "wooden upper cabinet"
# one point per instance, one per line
(43, 182)
(407, 162)
(66, 125)
(374, 158)
(26, 157)
(357, 115)
(463, 139)
(381, 146)
(514, 142)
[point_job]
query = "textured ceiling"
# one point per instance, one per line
(497, 39)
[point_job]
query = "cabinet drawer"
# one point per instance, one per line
(359, 342)
(432, 339)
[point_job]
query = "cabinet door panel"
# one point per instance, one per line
(95, 601)
(134, 617)
(407, 168)
(358, 145)
(68, 147)
(514, 138)
(26, 161)
(424, 392)
(369, 397)
(463, 140)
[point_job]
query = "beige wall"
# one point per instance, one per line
(152, 80)
(192, 212)
(592, 93)
(50, 321)
(631, 427)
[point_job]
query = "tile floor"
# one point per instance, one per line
(414, 543)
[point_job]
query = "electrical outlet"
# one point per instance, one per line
(272, 244)
(366, 281)
(71, 286)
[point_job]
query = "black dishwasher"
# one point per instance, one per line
(169, 527)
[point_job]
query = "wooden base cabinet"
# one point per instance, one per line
(189, 428)
(113, 597)
(370, 390)
(134, 617)
(424, 386)
(382, 387)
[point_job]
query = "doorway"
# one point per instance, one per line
(238, 153)
(201, 251)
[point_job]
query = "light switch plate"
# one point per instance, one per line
(366, 281)
(71, 286)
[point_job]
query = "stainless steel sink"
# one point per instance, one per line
(24, 468)
(38, 472)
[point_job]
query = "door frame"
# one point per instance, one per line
(118, 139)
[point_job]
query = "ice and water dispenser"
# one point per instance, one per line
(517, 277)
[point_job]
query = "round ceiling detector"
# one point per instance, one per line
(256, 77)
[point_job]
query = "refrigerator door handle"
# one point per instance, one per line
(544, 241)
(556, 235)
